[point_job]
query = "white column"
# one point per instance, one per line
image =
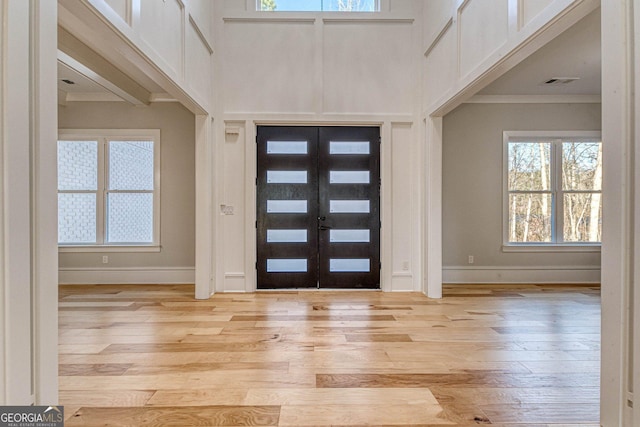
(621, 185)
(28, 199)
(433, 208)
(204, 204)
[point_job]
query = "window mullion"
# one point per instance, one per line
(558, 232)
(101, 194)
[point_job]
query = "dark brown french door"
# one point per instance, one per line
(318, 207)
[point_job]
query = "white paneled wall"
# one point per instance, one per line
(529, 9)
(262, 76)
(162, 28)
(168, 40)
(469, 43)
(319, 69)
(368, 67)
(483, 28)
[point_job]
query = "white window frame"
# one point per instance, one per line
(254, 6)
(557, 244)
(104, 136)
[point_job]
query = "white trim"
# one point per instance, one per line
(108, 248)
(521, 274)
(103, 137)
(555, 138)
(126, 275)
(574, 248)
(534, 99)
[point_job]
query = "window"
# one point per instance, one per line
(553, 187)
(108, 188)
(318, 5)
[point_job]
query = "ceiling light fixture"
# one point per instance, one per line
(69, 82)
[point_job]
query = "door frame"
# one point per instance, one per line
(251, 129)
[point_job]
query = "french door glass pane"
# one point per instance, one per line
(287, 147)
(529, 166)
(76, 217)
(77, 165)
(286, 265)
(349, 236)
(340, 265)
(582, 217)
(286, 177)
(349, 177)
(286, 206)
(349, 206)
(530, 217)
(131, 165)
(130, 218)
(286, 236)
(349, 147)
(582, 166)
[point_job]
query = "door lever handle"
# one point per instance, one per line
(323, 227)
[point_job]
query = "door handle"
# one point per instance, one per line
(324, 227)
(322, 218)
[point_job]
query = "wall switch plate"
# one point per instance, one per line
(226, 209)
(105, 259)
(470, 259)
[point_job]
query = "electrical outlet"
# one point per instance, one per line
(105, 259)
(470, 259)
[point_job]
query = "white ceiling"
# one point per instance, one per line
(574, 53)
(81, 84)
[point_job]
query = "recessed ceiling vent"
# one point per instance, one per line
(69, 82)
(557, 81)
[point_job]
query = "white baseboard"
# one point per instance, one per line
(534, 275)
(128, 275)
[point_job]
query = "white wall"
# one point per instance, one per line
(317, 69)
(472, 194)
(175, 261)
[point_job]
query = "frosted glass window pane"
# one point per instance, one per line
(286, 206)
(350, 236)
(286, 177)
(286, 266)
(349, 206)
(130, 218)
(131, 165)
(349, 147)
(339, 265)
(349, 177)
(286, 147)
(287, 236)
(77, 165)
(76, 218)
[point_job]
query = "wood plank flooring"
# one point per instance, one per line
(483, 355)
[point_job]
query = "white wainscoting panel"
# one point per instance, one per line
(529, 9)
(440, 64)
(260, 76)
(155, 18)
(122, 8)
(198, 62)
(484, 27)
(368, 67)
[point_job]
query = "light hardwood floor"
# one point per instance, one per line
(498, 355)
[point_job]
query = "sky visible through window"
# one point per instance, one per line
(318, 5)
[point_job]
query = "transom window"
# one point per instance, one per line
(108, 188)
(318, 5)
(553, 185)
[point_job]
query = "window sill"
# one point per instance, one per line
(109, 248)
(594, 248)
